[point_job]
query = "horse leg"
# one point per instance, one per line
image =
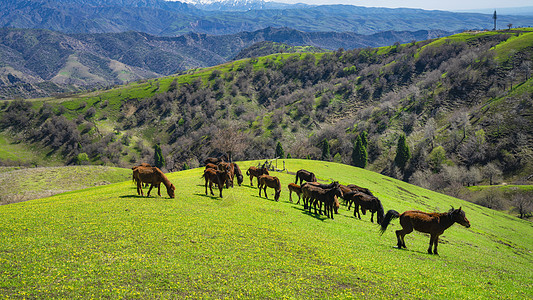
(220, 188)
(159, 189)
(433, 241)
(206, 181)
(150, 189)
(372, 217)
(251, 182)
(290, 195)
(356, 210)
(211, 187)
(139, 188)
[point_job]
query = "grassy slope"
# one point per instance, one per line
(108, 242)
(32, 183)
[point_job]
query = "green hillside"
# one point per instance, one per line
(106, 242)
(21, 184)
(463, 102)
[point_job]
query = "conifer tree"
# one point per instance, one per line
(159, 159)
(364, 139)
(359, 154)
(279, 151)
(326, 154)
(402, 153)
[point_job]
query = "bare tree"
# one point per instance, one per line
(523, 205)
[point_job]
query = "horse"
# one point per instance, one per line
(155, 177)
(256, 172)
(215, 160)
(224, 166)
(432, 223)
(215, 176)
(366, 202)
(329, 186)
(141, 165)
(265, 181)
(313, 194)
(211, 166)
(293, 187)
(238, 173)
(305, 175)
(346, 189)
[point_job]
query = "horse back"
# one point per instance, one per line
(420, 221)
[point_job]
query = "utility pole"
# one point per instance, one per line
(494, 16)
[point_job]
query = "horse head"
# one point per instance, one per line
(171, 190)
(458, 216)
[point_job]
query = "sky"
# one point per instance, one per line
(453, 5)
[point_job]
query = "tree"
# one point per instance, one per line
(326, 154)
(523, 205)
(494, 16)
(279, 151)
(364, 138)
(491, 172)
(159, 159)
(402, 153)
(359, 154)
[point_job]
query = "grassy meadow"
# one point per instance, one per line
(107, 242)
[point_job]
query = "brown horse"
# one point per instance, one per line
(141, 165)
(215, 160)
(314, 195)
(155, 177)
(211, 166)
(305, 175)
(265, 181)
(224, 166)
(346, 189)
(432, 223)
(293, 187)
(256, 172)
(238, 173)
(366, 202)
(217, 177)
(329, 186)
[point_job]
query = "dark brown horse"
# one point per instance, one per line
(265, 181)
(305, 175)
(154, 177)
(329, 186)
(366, 202)
(217, 177)
(211, 166)
(432, 223)
(224, 166)
(314, 195)
(346, 189)
(293, 187)
(256, 172)
(215, 160)
(238, 173)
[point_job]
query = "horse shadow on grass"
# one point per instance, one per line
(208, 196)
(311, 214)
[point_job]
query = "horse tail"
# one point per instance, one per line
(390, 215)
(248, 172)
(296, 181)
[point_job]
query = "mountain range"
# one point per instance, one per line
(168, 18)
(37, 63)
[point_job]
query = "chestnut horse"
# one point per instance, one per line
(329, 186)
(256, 172)
(155, 177)
(141, 165)
(265, 181)
(293, 187)
(305, 175)
(238, 173)
(432, 223)
(366, 202)
(217, 177)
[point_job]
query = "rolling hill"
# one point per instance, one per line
(108, 242)
(463, 102)
(41, 63)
